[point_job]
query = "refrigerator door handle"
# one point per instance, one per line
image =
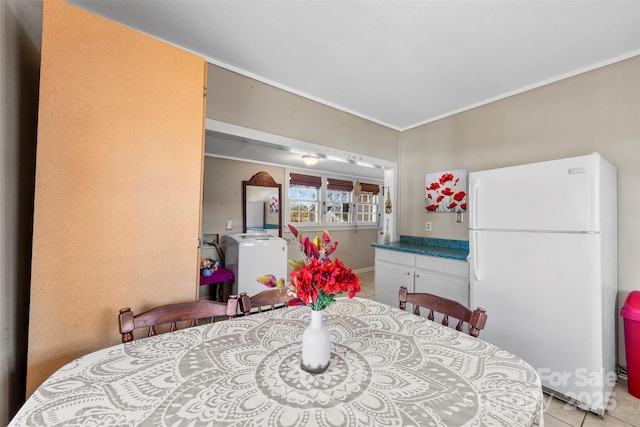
(473, 256)
(473, 220)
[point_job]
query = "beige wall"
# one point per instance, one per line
(222, 200)
(598, 111)
(354, 247)
(242, 101)
(18, 115)
(222, 197)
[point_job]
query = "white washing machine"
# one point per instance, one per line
(250, 255)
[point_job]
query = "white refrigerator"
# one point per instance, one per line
(543, 263)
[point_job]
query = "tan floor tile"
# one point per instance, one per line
(608, 421)
(550, 421)
(624, 411)
(367, 285)
(563, 411)
(623, 406)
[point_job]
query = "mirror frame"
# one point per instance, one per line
(261, 179)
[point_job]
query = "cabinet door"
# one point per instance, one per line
(442, 285)
(118, 183)
(389, 277)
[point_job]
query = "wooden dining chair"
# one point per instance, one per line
(173, 313)
(476, 319)
(266, 300)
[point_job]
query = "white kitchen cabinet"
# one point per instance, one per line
(444, 277)
(448, 278)
(452, 287)
(392, 270)
(388, 279)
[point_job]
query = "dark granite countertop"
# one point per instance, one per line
(443, 248)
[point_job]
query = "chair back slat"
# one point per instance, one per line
(445, 320)
(171, 314)
(269, 299)
(476, 319)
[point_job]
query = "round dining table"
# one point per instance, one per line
(388, 367)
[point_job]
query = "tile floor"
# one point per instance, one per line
(624, 409)
(366, 285)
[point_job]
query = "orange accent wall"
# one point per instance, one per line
(118, 183)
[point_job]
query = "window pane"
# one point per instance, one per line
(337, 206)
(306, 193)
(367, 208)
(303, 205)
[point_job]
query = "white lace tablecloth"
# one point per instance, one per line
(388, 367)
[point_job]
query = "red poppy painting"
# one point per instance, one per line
(446, 191)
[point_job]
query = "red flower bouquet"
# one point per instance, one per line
(317, 279)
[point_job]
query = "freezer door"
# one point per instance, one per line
(559, 195)
(544, 302)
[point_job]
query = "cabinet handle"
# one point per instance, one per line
(417, 275)
(408, 274)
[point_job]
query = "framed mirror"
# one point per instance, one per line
(261, 205)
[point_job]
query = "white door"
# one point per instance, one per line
(559, 195)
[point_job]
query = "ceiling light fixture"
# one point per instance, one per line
(309, 160)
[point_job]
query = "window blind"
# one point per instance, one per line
(339, 184)
(305, 180)
(369, 188)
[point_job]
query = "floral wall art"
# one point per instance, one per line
(274, 204)
(446, 191)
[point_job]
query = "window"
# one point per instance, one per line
(304, 197)
(337, 205)
(367, 203)
(325, 201)
(338, 200)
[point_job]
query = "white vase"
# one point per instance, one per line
(316, 345)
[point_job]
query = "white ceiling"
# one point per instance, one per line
(398, 63)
